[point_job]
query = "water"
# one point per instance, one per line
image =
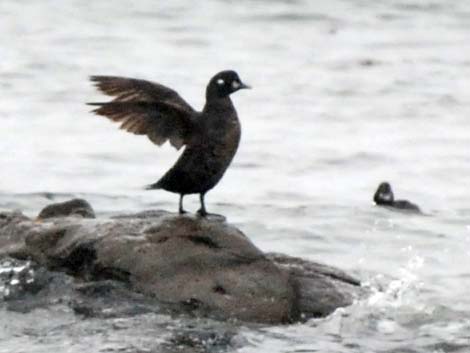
(346, 94)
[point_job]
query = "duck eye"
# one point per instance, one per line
(220, 82)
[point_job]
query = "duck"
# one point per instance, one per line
(210, 137)
(384, 197)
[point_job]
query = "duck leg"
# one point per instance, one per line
(181, 209)
(202, 211)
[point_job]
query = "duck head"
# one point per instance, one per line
(384, 194)
(223, 84)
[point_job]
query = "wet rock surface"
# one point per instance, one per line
(158, 261)
(41, 303)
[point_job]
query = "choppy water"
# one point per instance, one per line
(346, 94)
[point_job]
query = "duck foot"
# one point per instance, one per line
(212, 216)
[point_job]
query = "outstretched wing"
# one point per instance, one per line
(146, 108)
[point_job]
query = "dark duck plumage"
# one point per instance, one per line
(210, 137)
(384, 197)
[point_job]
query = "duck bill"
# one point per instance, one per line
(244, 86)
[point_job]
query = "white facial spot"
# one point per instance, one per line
(386, 196)
(235, 84)
(220, 82)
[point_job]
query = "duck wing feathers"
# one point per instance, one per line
(146, 108)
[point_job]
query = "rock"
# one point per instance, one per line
(196, 265)
(77, 207)
(14, 227)
(321, 289)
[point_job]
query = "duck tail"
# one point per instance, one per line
(153, 186)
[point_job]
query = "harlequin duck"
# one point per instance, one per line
(210, 137)
(384, 197)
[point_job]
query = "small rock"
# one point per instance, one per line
(75, 207)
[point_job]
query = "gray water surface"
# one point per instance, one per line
(346, 94)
